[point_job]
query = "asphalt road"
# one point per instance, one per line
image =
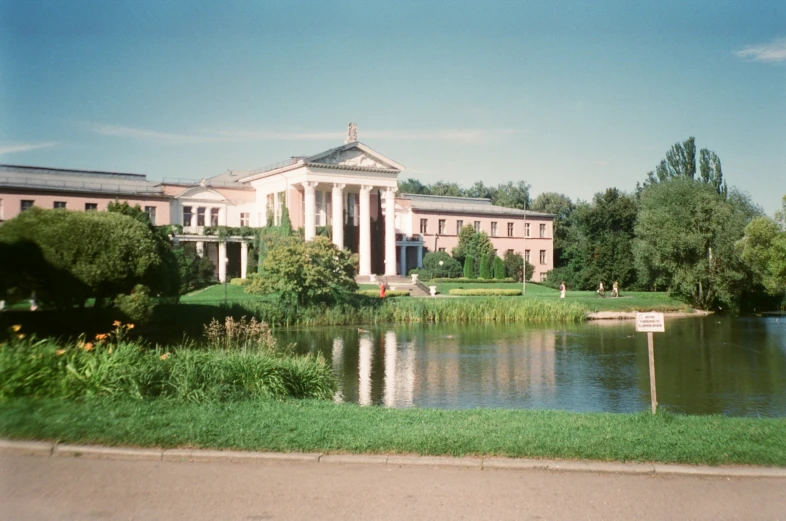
(77, 488)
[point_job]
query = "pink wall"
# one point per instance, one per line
(434, 241)
(10, 201)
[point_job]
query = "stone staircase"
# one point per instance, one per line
(397, 282)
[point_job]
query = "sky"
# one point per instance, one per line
(570, 97)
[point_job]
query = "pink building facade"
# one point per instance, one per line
(348, 192)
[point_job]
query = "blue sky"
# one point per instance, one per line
(572, 97)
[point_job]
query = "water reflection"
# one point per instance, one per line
(734, 366)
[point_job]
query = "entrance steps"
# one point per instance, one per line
(396, 282)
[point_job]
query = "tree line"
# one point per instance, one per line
(682, 230)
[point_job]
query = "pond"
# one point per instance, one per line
(734, 366)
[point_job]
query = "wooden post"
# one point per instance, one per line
(653, 395)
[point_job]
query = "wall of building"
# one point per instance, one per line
(11, 202)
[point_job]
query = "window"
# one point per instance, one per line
(509, 252)
(59, 204)
(510, 229)
(187, 215)
(459, 226)
(26, 204)
(269, 206)
(477, 226)
(91, 207)
(214, 217)
(441, 249)
(319, 202)
(442, 226)
(493, 228)
(424, 226)
(542, 230)
(526, 230)
(543, 256)
(245, 219)
(200, 216)
(543, 277)
(351, 209)
(151, 212)
(526, 255)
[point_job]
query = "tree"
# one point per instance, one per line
(763, 248)
(561, 207)
(469, 267)
(512, 195)
(600, 241)
(499, 268)
(103, 253)
(476, 244)
(485, 270)
(412, 186)
(303, 272)
(685, 241)
(680, 162)
(445, 188)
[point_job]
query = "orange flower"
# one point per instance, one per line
(20, 336)
(101, 336)
(164, 356)
(130, 326)
(16, 328)
(117, 323)
(89, 346)
(60, 352)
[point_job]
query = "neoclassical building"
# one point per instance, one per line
(348, 193)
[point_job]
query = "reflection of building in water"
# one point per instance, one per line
(338, 363)
(523, 367)
(440, 370)
(399, 372)
(366, 355)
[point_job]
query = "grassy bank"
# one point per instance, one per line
(318, 426)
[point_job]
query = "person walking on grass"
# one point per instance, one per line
(562, 290)
(615, 289)
(601, 291)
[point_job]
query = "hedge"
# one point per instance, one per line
(485, 292)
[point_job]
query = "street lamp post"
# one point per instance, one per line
(226, 265)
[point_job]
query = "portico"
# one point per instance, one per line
(348, 188)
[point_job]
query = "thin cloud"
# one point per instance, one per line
(775, 51)
(239, 136)
(153, 135)
(24, 147)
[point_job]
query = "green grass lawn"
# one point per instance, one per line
(322, 426)
(215, 295)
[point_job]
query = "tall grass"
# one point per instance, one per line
(46, 368)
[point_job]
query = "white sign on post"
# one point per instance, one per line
(650, 323)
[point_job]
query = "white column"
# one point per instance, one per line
(403, 267)
(337, 360)
(420, 255)
(310, 207)
(193, 222)
(365, 357)
(338, 215)
(390, 231)
(222, 262)
(200, 248)
(222, 216)
(391, 350)
(243, 259)
(365, 230)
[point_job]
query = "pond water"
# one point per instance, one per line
(734, 366)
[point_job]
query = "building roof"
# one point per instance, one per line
(470, 205)
(67, 180)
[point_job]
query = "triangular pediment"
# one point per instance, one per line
(202, 193)
(355, 155)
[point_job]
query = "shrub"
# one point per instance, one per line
(388, 293)
(450, 266)
(485, 292)
(499, 268)
(423, 274)
(485, 272)
(463, 280)
(469, 267)
(137, 306)
(239, 282)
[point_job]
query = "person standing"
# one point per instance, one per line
(382, 290)
(601, 291)
(615, 289)
(562, 290)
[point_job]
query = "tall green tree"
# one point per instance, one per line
(600, 242)
(685, 242)
(680, 162)
(562, 208)
(412, 186)
(472, 243)
(512, 195)
(763, 249)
